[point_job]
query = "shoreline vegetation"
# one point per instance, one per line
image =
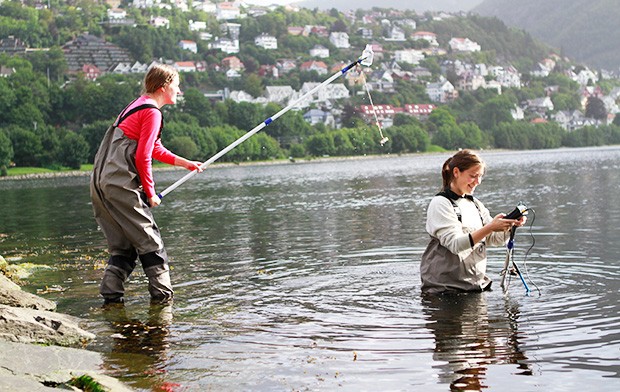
(85, 170)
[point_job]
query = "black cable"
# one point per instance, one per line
(527, 252)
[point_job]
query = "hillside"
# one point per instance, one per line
(584, 30)
(417, 5)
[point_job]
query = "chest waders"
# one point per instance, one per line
(125, 219)
(444, 271)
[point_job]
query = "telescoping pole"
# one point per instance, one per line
(365, 59)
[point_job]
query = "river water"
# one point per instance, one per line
(305, 276)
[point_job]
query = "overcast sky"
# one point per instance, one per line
(417, 5)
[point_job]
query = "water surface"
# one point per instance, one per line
(305, 276)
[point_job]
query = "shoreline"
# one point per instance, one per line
(289, 161)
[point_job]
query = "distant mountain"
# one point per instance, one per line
(587, 31)
(416, 5)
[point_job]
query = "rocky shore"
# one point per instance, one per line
(41, 348)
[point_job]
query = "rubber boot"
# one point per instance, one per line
(112, 287)
(155, 265)
(160, 286)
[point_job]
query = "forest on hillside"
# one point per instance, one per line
(49, 118)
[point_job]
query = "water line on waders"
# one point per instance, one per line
(365, 59)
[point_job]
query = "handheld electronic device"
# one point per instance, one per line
(518, 212)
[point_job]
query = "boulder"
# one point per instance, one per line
(41, 326)
(50, 368)
(12, 295)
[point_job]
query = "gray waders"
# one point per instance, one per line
(126, 220)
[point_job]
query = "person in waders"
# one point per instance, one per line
(123, 190)
(461, 228)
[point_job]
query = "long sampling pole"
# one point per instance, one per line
(365, 59)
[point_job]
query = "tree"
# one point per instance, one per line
(26, 147)
(495, 111)
(595, 108)
(6, 152)
(73, 150)
(183, 146)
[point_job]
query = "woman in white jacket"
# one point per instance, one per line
(461, 227)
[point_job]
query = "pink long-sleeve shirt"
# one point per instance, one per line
(144, 127)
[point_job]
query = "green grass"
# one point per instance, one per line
(22, 171)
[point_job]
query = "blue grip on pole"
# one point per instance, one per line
(268, 121)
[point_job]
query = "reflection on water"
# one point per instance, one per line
(467, 341)
(306, 277)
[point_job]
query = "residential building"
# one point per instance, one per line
(232, 62)
(186, 44)
(319, 51)
(421, 111)
(318, 66)
(227, 11)
(442, 91)
(185, 66)
(340, 40)
(91, 72)
(318, 116)
(196, 25)
(463, 45)
(266, 41)
(426, 36)
(159, 21)
(279, 94)
(11, 45)
(90, 49)
(409, 56)
(286, 65)
(226, 45)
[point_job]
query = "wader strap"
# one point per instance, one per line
(124, 115)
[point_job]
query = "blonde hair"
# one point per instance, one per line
(158, 75)
(463, 160)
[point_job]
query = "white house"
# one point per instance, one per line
(159, 21)
(319, 51)
(426, 36)
(185, 66)
(340, 39)
(584, 77)
(317, 116)
(196, 25)
(329, 92)
(227, 11)
(121, 68)
(442, 91)
(507, 77)
(463, 45)
(186, 44)
(241, 96)
(409, 56)
(396, 34)
(116, 14)
(226, 45)
(540, 105)
(205, 6)
(279, 94)
(266, 41)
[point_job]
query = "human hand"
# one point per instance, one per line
(154, 201)
(499, 223)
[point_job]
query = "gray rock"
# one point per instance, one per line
(42, 368)
(40, 326)
(12, 295)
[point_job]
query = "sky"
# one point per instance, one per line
(417, 5)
